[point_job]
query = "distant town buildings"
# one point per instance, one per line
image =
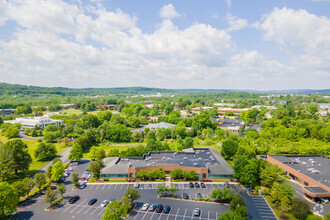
(231, 125)
(7, 111)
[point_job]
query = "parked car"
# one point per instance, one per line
(248, 189)
(197, 185)
(136, 185)
(152, 207)
(104, 203)
(226, 184)
(203, 185)
(70, 168)
(159, 208)
(185, 196)
(199, 196)
(167, 209)
(324, 200)
(191, 185)
(53, 187)
(66, 174)
(197, 212)
(87, 174)
(74, 199)
(145, 207)
(83, 186)
(92, 201)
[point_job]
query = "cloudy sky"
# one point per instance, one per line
(210, 44)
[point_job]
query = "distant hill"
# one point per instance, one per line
(6, 88)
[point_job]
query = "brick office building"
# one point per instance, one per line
(206, 162)
(312, 171)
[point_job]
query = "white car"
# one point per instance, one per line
(145, 207)
(136, 185)
(70, 169)
(324, 200)
(104, 203)
(197, 212)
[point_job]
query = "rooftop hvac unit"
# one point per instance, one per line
(168, 158)
(208, 163)
(195, 164)
(175, 153)
(163, 158)
(216, 164)
(199, 158)
(203, 150)
(208, 152)
(181, 163)
(185, 158)
(304, 163)
(148, 165)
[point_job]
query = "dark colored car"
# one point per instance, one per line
(185, 196)
(159, 208)
(197, 185)
(191, 185)
(74, 199)
(82, 186)
(199, 196)
(167, 209)
(53, 187)
(92, 201)
(202, 185)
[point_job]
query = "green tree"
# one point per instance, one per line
(90, 121)
(8, 199)
(326, 216)
(76, 152)
(114, 211)
(93, 153)
(142, 174)
(161, 189)
(229, 148)
(57, 171)
(11, 132)
(95, 167)
(236, 201)
(176, 174)
(19, 155)
(61, 189)
(45, 151)
(130, 196)
(299, 208)
(24, 187)
(168, 109)
(269, 175)
(49, 172)
(50, 196)
(242, 212)
(101, 155)
(75, 179)
(40, 180)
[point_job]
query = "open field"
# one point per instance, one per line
(76, 112)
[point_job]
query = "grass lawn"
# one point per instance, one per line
(119, 147)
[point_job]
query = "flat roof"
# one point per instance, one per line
(193, 157)
(313, 166)
(315, 189)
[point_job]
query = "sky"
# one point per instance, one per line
(179, 44)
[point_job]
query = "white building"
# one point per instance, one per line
(31, 122)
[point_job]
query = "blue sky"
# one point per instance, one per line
(211, 44)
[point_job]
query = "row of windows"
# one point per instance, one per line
(113, 175)
(220, 176)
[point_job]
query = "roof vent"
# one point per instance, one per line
(185, 158)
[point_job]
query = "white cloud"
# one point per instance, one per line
(228, 3)
(235, 23)
(168, 12)
(301, 29)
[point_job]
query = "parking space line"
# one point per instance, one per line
(216, 215)
(102, 210)
(88, 209)
(97, 186)
(153, 214)
(177, 213)
(109, 186)
(78, 205)
(184, 213)
(137, 214)
(73, 205)
(115, 186)
(200, 215)
(81, 208)
(96, 208)
(121, 186)
(208, 215)
(103, 186)
(92, 187)
(168, 216)
(145, 214)
(160, 215)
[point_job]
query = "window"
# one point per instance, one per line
(204, 175)
(220, 176)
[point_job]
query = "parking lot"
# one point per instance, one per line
(180, 209)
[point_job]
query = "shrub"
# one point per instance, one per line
(105, 179)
